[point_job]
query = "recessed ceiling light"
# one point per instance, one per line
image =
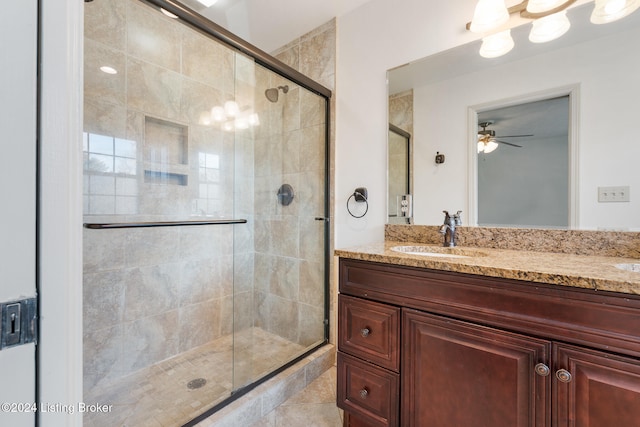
(169, 14)
(207, 3)
(108, 70)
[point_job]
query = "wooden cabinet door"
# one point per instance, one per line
(595, 389)
(459, 374)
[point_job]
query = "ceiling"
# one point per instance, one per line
(270, 24)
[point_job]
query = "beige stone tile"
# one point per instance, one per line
(310, 415)
(105, 22)
(153, 37)
(321, 390)
(207, 61)
(109, 88)
(154, 90)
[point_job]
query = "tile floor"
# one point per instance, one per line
(159, 396)
(315, 406)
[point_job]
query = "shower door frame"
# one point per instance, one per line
(269, 62)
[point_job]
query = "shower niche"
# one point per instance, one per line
(166, 157)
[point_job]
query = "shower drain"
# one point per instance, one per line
(197, 383)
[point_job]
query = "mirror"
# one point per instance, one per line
(597, 65)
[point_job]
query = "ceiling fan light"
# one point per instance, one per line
(496, 44)
(490, 146)
(606, 11)
(480, 146)
(489, 14)
(549, 28)
(541, 6)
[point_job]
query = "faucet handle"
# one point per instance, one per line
(446, 214)
(457, 218)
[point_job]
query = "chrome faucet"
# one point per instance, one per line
(448, 229)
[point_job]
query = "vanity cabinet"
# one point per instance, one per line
(482, 351)
(368, 360)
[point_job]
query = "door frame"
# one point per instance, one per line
(59, 350)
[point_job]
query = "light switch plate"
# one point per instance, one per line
(613, 194)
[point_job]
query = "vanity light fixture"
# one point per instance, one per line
(230, 117)
(549, 20)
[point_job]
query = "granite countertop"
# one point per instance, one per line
(581, 271)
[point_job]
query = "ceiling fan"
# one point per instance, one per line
(487, 141)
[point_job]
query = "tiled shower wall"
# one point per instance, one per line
(289, 239)
(150, 294)
(314, 55)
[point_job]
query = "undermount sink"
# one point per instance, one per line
(629, 267)
(437, 251)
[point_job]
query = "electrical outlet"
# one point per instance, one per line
(613, 194)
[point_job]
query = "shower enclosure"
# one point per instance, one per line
(205, 210)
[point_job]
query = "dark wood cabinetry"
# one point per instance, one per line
(460, 374)
(463, 350)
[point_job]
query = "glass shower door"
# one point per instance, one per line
(280, 266)
(204, 206)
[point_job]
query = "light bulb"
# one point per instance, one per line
(606, 11)
(231, 108)
(254, 119)
(490, 146)
(496, 44)
(549, 28)
(489, 14)
(480, 146)
(217, 114)
(205, 119)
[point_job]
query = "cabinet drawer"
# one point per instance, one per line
(369, 330)
(368, 391)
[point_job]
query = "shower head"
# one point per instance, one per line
(272, 93)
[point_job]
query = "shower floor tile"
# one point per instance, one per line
(160, 396)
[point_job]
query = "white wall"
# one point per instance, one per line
(18, 44)
(373, 38)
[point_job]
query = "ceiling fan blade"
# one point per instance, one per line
(508, 143)
(511, 136)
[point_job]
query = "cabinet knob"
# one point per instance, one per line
(365, 332)
(563, 376)
(542, 369)
(364, 393)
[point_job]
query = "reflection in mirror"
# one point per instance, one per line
(515, 144)
(399, 173)
(598, 63)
